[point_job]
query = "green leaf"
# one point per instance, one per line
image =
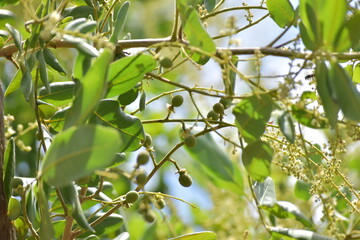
(206, 235)
(302, 190)
(51, 60)
(351, 26)
(14, 84)
(195, 32)
(61, 93)
(251, 115)
(307, 117)
(16, 36)
(6, 16)
(82, 65)
(356, 73)
(265, 192)
(130, 128)
(43, 70)
(326, 90)
(346, 93)
(70, 196)
(281, 11)
(91, 90)
(9, 167)
(46, 227)
(287, 127)
(257, 158)
(128, 97)
(216, 163)
(81, 45)
(322, 20)
(299, 234)
(79, 12)
(57, 121)
(59, 227)
(78, 152)
(125, 73)
(120, 21)
(110, 224)
(26, 80)
(283, 209)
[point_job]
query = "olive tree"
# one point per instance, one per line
(107, 133)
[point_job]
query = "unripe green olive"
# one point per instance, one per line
(218, 108)
(141, 179)
(226, 102)
(148, 140)
(15, 182)
(185, 179)
(190, 141)
(177, 101)
(160, 203)
(143, 158)
(132, 197)
(212, 115)
(165, 62)
(149, 216)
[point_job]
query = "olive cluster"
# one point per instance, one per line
(218, 109)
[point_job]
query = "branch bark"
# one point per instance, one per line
(9, 50)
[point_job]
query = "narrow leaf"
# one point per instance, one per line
(9, 167)
(78, 152)
(280, 232)
(326, 90)
(120, 22)
(46, 228)
(347, 95)
(257, 158)
(70, 196)
(206, 235)
(51, 60)
(16, 36)
(287, 126)
(43, 70)
(91, 90)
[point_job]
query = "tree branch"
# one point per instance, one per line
(9, 50)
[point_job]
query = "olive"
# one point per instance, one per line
(177, 101)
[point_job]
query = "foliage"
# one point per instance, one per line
(109, 129)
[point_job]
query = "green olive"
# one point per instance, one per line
(132, 197)
(143, 158)
(212, 115)
(185, 179)
(190, 141)
(165, 62)
(177, 101)
(218, 108)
